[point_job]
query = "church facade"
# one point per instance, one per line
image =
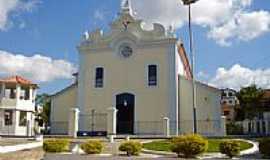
(145, 75)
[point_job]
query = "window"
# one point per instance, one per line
(224, 102)
(125, 50)
(23, 118)
(152, 75)
(99, 77)
(223, 94)
(226, 113)
(12, 94)
(8, 117)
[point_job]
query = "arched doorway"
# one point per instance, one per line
(125, 104)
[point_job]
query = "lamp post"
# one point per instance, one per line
(194, 102)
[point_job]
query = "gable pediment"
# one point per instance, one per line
(124, 27)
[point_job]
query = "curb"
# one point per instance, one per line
(160, 153)
(252, 150)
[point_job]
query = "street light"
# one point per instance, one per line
(189, 2)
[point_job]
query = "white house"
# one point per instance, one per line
(135, 81)
(17, 106)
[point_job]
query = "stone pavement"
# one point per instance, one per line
(19, 147)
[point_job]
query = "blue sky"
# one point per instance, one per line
(53, 29)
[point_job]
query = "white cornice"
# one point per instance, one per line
(141, 44)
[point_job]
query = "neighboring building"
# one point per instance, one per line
(260, 124)
(17, 106)
(145, 75)
(264, 105)
(229, 103)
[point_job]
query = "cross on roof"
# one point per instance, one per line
(126, 6)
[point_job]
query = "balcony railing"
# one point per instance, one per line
(8, 102)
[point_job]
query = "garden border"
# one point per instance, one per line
(252, 150)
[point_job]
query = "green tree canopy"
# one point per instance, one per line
(44, 101)
(249, 98)
(250, 94)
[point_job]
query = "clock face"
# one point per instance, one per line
(126, 51)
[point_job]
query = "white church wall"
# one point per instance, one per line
(61, 105)
(208, 109)
(130, 75)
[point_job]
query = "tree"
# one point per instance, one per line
(44, 101)
(249, 98)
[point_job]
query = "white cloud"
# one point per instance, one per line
(99, 15)
(244, 26)
(22, 25)
(238, 76)
(226, 20)
(202, 75)
(7, 7)
(37, 68)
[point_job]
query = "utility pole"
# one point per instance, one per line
(194, 100)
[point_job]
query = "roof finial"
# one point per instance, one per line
(126, 7)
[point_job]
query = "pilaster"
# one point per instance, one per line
(31, 94)
(73, 122)
(166, 124)
(18, 92)
(111, 120)
(3, 88)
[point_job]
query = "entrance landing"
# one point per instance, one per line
(123, 136)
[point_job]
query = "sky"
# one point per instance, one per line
(38, 38)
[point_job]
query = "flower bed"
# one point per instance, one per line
(213, 145)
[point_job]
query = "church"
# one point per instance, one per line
(143, 76)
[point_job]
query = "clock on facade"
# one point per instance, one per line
(125, 51)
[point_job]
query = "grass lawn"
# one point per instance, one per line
(213, 145)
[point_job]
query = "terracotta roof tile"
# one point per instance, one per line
(266, 94)
(183, 55)
(16, 79)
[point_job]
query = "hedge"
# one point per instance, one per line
(264, 147)
(189, 145)
(92, 147)
(56, 145)
(131, 147)
(230, 148)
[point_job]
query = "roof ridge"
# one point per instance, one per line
(16, 79)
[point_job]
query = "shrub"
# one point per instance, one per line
(230, 148)
(234, 129)
(189, 145)
(131, 148)
(92, 147)
(56, 145)
(264, 146)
